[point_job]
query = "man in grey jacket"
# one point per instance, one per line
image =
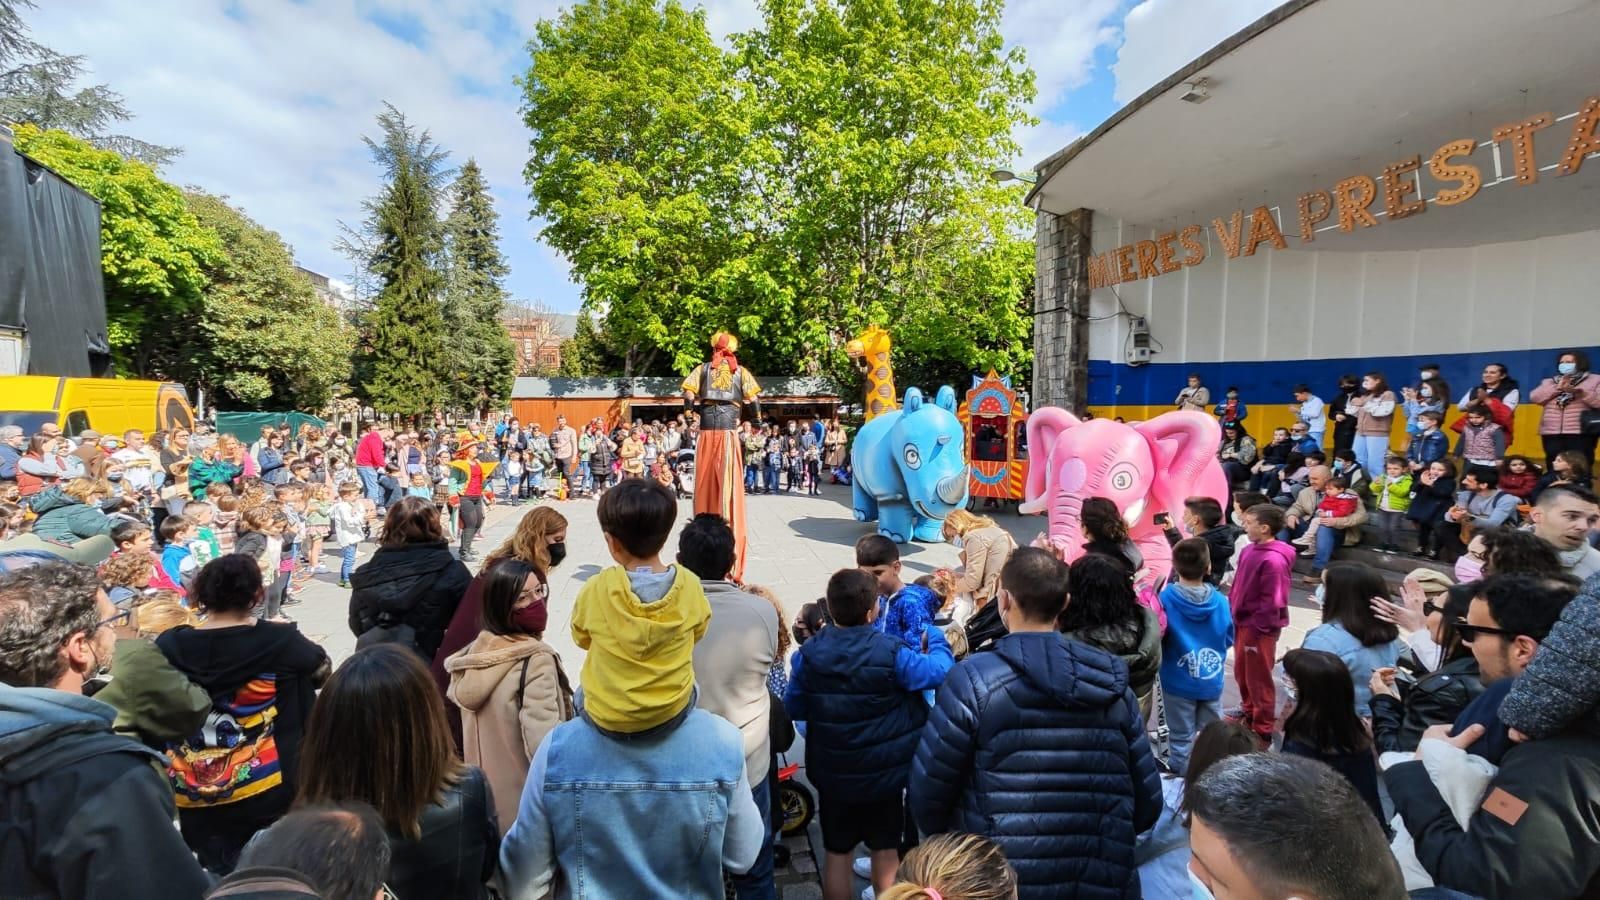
(731, 664)
(84, 812)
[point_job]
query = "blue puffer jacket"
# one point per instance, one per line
(861, 725)
(1039, 745)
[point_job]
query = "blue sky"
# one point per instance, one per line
(270, 98)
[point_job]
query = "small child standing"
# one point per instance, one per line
(639, 619)
(1193, 650)
(1392, 490)
(420, 487)
(225, 524)
(1259, 601)
(1483, 441)
(513, 472)
(904, 610)
(533, 482)
(205, 546)
(280, 533)
(1337, 502)
(348, 528)
(1429, 443)
(319, 526)
(177, 562)
(860, 693)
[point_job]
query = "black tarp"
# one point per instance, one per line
(51, 286)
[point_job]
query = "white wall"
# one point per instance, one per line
(1309, 304)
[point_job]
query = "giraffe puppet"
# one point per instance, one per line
(870, 350)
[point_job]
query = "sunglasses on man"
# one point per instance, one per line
(1470, 633)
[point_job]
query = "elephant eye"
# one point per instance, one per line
(1122, 479)
(913, 458)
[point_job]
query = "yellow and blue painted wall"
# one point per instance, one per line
(1268, 322)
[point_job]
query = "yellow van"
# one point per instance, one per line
(107, 405)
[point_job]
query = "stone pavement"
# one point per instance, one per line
(795, 544)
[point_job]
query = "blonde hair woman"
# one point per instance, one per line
(540, 540)
(954, 866)
(985, 547)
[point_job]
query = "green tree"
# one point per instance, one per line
(39, 86)
(479, 360)
(588, 353)
(265, 339)
(399, 249)
(881, 120)
(636, 131)
(154, 251)
(830, 172)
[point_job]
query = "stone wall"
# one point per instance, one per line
(1060, 309)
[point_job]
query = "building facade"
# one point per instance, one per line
(1269, 216)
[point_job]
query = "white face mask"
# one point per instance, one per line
(1567, 368)
(1426, 391)
(959, 542)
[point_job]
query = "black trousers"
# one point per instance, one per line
(1561, 443)
(471, 514)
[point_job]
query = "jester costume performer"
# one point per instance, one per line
(721, 387)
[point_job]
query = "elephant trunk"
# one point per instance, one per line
(1064, 530)
(953, 489)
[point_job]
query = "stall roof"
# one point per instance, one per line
(613, 388)
(1319, 90)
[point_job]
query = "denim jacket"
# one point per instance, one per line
(655, 814)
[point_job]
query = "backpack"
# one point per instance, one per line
(389, 629)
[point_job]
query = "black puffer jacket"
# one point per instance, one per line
(458, 849)
(419, 585)
(1436, 699)
(1041, 747)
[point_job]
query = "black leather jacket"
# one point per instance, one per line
(457, 852)
(1436, 699)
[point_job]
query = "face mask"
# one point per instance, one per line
(1468, 569)
(1424, 375)
(1567, 368)
(1236, 519)
(532, 618)
(113, 476)
(959, 543)
(339, 441)
(558, 552)
(1338, 465)
(1198, 889)
(1232, 396)
(1426, 391)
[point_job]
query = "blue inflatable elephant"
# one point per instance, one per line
(909, 468)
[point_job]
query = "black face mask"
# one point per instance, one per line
(558, 552)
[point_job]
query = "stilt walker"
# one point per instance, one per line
(721, 388)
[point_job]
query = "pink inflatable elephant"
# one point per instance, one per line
(1148, 468)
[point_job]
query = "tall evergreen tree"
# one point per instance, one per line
(401, 245)
(480, 363)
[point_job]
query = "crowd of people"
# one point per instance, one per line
(1441, 488)
(1013, 726)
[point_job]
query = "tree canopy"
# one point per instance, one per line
(480, 364)
(400, 246)
(829, 171)
(266, 339)
(40, 86)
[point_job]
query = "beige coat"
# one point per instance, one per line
(987, 550)
(496, 737)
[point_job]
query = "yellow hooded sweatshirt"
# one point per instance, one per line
(640, 669)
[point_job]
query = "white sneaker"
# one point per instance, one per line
(863, 868)
(867, 893)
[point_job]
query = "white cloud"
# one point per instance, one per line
(270, 106)
(1162, 36)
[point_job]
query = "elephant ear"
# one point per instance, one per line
(946, 398)
(1045, 426)
(1184, 447)
(913, 400)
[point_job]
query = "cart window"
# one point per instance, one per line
(1021, 432)
(988, 439)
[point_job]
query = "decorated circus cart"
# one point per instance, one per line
(996, 425)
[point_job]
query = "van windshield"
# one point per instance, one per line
(30, 422)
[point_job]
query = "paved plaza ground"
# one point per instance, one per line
(796, 543)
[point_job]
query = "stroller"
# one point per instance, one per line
(683, 473)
